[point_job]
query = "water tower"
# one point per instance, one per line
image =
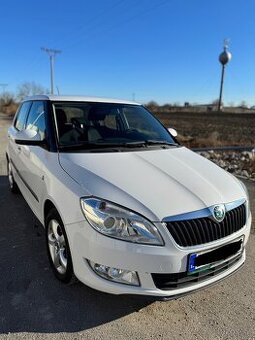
(224, 58)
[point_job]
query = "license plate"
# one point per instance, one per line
(204, 260)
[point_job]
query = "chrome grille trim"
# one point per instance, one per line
(202, 230)
(206, 212)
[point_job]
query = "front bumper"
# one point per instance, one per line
(87, 244)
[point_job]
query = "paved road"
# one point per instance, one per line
(34, 305)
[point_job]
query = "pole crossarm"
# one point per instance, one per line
(50, 51)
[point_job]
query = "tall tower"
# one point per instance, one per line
(224, 58)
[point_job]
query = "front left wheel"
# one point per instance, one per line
(58, 248)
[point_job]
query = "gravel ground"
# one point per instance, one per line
(240, 164)
(34, 305)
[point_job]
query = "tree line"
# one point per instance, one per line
(9, 101)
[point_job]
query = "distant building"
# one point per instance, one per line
(206, 107)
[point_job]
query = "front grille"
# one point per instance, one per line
(203, 230)
(182, 280)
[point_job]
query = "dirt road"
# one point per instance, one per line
(34, 305)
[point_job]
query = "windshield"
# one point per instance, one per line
(105, 124)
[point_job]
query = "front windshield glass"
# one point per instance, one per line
(107, 124)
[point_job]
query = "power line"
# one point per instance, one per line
(117, 23)
(91, 29)
(51, 53)
(89, 24)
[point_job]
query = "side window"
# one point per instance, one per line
(36, 118)
(21, 116)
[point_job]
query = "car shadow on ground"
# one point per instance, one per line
(31, 299)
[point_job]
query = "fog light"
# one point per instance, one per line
(115, 274)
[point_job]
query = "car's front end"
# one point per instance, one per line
(187, 258)
(189, 241)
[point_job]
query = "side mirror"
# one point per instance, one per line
(173, 132)
(28, 137)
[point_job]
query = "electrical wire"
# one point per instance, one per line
(92, 27)
(118, 24)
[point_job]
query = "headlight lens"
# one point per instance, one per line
(114, 221)
(247, 194)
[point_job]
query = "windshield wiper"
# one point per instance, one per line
(159, 142)
(147, 142)
(101, 145)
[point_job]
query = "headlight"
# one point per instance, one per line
(247, 194)
(114, 221)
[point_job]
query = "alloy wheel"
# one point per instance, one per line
(57, 246)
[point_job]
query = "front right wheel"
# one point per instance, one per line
(58, 248)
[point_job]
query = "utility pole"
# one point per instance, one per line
(224, 58)
(51, 53)
(3, 87)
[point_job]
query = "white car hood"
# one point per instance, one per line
(155, 183)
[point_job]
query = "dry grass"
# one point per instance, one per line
(211, 129)
(212, 140)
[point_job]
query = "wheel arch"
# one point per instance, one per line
(48, 205)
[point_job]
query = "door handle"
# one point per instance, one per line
(19, 148)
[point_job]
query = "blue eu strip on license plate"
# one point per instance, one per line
(192, 266)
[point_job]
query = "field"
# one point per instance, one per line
(212, 128)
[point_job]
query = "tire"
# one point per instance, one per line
(58, 248)
(12, 184)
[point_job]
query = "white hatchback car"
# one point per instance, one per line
(126, 209)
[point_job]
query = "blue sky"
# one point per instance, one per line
(163, 50)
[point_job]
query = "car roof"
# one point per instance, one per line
(80, 99)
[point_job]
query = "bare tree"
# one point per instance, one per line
(231, 104)
(152, 103)
(8, 104)
(176, 104)
(6, 98)
(30, 89)
(216, 102)
(243, 104)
